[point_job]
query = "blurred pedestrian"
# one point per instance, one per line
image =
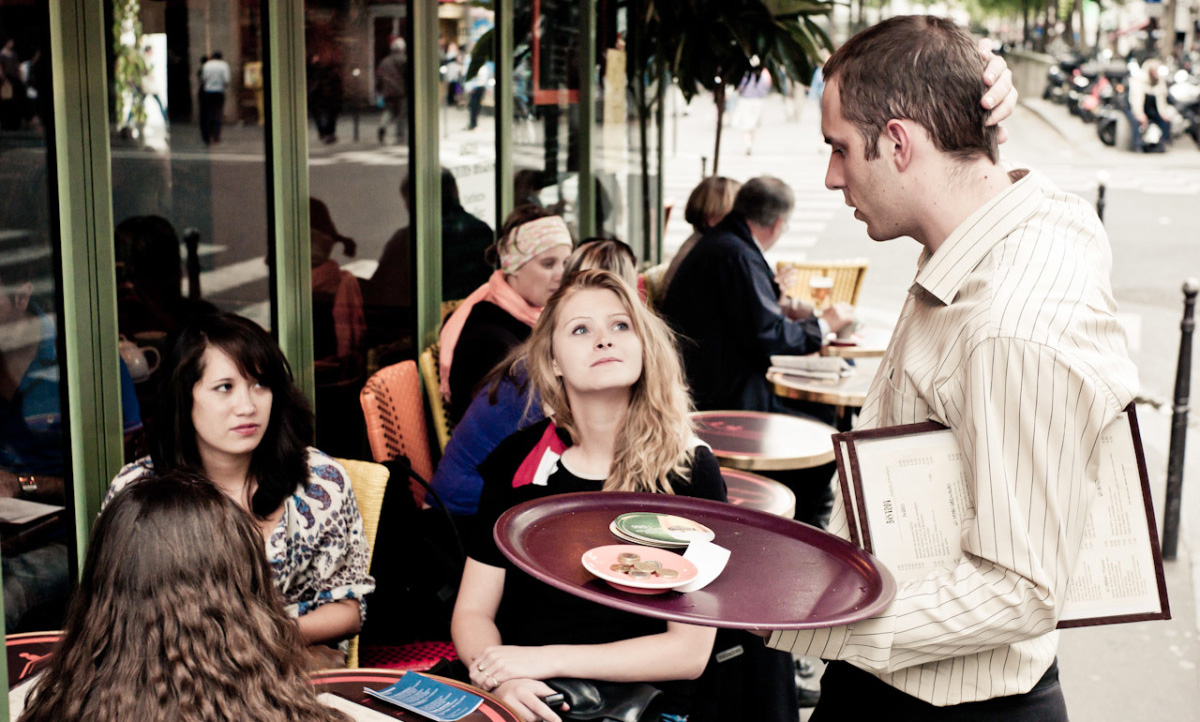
(215, 77)
(391, 85)
(747, 115)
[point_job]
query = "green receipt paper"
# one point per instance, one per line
(429, 697)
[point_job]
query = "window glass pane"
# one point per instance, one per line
(363, 287)
(546, 105)
(626, 134)
(468, 145)
(34, 453)
(188, 171)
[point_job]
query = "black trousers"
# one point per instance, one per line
(848, 693)
(212, 112)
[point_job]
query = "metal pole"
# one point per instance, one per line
(191, 240)
(703, 167)
(1102, 181)
(1179, 421)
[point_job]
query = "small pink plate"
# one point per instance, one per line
(599, 561)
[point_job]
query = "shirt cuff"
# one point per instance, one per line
(824, 643)
(825, 330)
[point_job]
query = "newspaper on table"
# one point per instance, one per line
(907, 500)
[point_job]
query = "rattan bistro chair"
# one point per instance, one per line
(431, 375)
(369, 481)
(847, 278)
(395, 416)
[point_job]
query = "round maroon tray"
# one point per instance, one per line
(781, 574)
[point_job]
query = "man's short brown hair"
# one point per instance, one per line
(920, 68)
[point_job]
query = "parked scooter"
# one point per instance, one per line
(1184, 96)
(1058, 78)
(1111, 113)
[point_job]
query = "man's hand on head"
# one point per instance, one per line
(1001, 96)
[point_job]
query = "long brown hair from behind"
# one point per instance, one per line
(176, 619)
(656, 436)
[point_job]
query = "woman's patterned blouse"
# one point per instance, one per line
(317, 552)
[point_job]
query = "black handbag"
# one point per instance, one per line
(590, 699)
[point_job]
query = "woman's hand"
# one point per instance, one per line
(525, 697)
(1001, 96)
(501, 663)
(318, 656)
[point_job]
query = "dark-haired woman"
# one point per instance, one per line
(231, 410)
(498, 316)
(168, 625)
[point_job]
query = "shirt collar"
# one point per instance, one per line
(943, 272)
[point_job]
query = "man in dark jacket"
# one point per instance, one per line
(726, 305)
(391, 84)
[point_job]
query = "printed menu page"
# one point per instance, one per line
(436, 700)
(910, 499)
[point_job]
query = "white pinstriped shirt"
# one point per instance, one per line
(1009, 337)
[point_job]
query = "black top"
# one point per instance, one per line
(488, 335)
(534, 613)
(724, 303)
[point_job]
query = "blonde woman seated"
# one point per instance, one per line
(176, 618)
(608, 375)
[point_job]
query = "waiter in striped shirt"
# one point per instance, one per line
(1009, 337)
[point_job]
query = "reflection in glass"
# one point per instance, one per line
(625, 133)
(546, 106)
(32, 449)
(357, 58)
(187, 130)
(468, 145)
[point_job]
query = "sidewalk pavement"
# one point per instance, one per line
(1072, 129)
(1147, 670)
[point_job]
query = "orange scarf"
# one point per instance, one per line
(496, 291)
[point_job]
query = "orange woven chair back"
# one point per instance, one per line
(395, 415)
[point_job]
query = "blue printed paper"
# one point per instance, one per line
(429, 697)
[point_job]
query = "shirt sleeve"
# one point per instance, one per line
(706, 480)
(341, 557)
(1028, 419)
(759, 311)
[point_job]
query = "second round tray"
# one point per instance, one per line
(781, 574)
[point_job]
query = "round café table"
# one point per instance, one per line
(870, 342)
(349, 683)
(846, 394)
(28, 653)
(763, 441)
(758, 492)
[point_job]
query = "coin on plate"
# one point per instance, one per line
(639, 574)
(648, 565)
(620, 568)
(668, 573)
(627, 558)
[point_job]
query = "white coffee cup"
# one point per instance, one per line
(135, 358)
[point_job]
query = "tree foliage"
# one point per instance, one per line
(714, 45)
